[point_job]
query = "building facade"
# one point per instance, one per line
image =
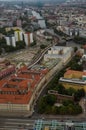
(59, 52)
(10, 40)
(28, 38)
(74, 79)
(18, 35)
(6, 68)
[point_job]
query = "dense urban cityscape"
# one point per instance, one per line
(43, 65)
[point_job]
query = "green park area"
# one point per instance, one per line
(46, 104)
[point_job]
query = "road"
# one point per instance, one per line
(29, 124)
(10, 124)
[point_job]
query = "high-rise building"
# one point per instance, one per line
(7, 40)
(28, 38)
(10, 40)
(13, 41)
(18, 22)
(31, 37)
(18, 35)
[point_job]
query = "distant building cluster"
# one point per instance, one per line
(59, 52)
(73, 25)
(69, 31)
(68, 19)
(19, 35)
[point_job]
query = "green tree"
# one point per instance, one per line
(70, 109)
(2, 42)
(55, 110)
(62, 110)
(80, 40)
(48, 109)
(10, 32)
(50, 99)
(42, 105)
(60, 32)
(61, 89)
(43, 46)
(70, 91)
(75, 49)
(3, 31)
(79, 94)
(20, 44)
(33, 44)
(67, 102)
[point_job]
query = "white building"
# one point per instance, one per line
(69, 31)
(13, 41)
(28, 38)
(10, 40)
(31, 37)
(18, 35)
(42, 23)
(59, 52)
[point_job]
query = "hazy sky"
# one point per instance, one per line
(27, 0)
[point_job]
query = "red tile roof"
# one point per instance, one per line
(18, 88)
(68, 72)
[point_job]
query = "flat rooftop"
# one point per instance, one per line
(74, 81)
(50, 63)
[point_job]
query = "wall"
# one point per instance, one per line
(75, 86)
(14, 107)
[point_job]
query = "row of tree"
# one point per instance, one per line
(78, 94)
(80, 40)
(60, 33)
(74, 64)
(4, 32)
(6, 48)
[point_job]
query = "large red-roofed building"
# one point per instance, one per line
(19, 92)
